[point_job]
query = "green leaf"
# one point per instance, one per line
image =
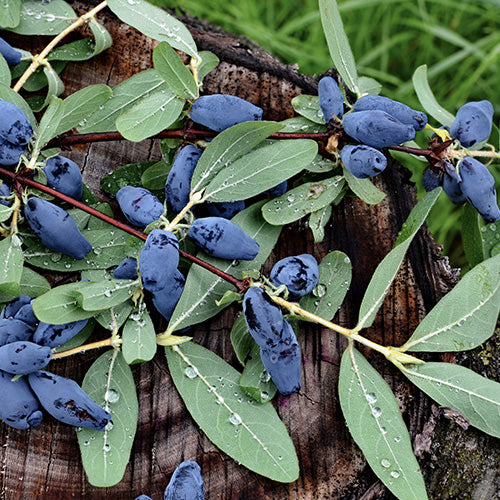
(5, 76)
(170, 67)
(81, 104)
(321, 165)
(308, 107)
(364, 189)
(11, 13)
(151, 115)
(7, 94)
(139, 337)
(490, 237)
(44, 18)
(335, 272)
(11, 269)
(262, 169)
(475, 397)
(427, 99)
(155, 176)
(209, 61)
(105, 454)
(471, 235)
(32, 284)
(128, 175)
(115, 317)
(227, 146)
(248, 432)
(102, 38)
(338, 44)
(302, 200)
(317, 222)
(388, 268)
(5, 212)
(59, 305)
(49, 123)
(95, 223)
(96, 296)
(255, 380)
(465, 317)
(55, 88)
(154, 23)
(367, 85)
(376, 425)
(125, 95)
(203, 288)
(302, 125)
(79, 50)
(241, 339)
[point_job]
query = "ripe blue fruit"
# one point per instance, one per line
(127, 269)
(363, 161)
(299, 273)
(12, 330)
(263, 317)
(11, 55)
(167, 297)
(26, 314)
(22, 357)
(158, 259)
(278, 190)
(186, 483)
(14, 126)
(473, 123)
(10, 153)
(64, 175)
(66, 401)
(12, 307)
(223, 238)
(220, 111)
(225, 209)
(143, 497)
(56, 228)
(402, 112)
(452, 185)
(478, 185)
(19, 408)
(178, 183)
(55, 335)
(331, 100)
(377, 128)
(139, 205)
(431, 179)
(5, 191)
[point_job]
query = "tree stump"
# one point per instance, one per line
(44, 462)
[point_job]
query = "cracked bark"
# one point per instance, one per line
(39, 462)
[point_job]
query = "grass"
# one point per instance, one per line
(459, 40)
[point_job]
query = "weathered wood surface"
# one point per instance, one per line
(45, 463)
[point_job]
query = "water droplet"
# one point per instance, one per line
(56, 257)
(109, 426)
(97, 250)
(320, 290)
(376, 412)
(397, 439)
(107, 293)
(49, 18)
(106, 447)
(383, 430)
(265, 377)
(395, 474)
(112, 396)
(264, 395)
(235, 419)
(220, 400)
(371, 397)
(385, 463)
(290, 198)
(191, 372)
(347, 260)
(86, 443)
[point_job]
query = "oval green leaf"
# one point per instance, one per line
(364, 189)
(139, 337)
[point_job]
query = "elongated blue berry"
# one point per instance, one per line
(5, 192)
(225, 209)
(22, 357)
(278, 190)
(331, 100)
(377, 128)
(14, 126)
(127, 270)
(223, 238)
(12, 330)
(167, 297)
(402, 112)
(473, 123)
(139, 205)
(431, 179)
(10, 153)
(11, 55)
(363, 161)
(64, 175)
(452, 185)
(56, 228)
(55, 335)
(299, 273)
(186, 483)
(66, 401)
(26, 314)
(220, 111)
(10, 309)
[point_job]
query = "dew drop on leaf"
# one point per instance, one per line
(191, 372)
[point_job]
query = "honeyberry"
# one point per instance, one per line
(12, 330)
(223, 238)
(143, 497)
(452, 185)
(127, 269)
(167, 297)
(220, 111)
(26, 314)
(66, 401)
(331, 100)
(23, 357)
(5, 192)
(278, 190)
(64, 175)
(299, 273)
(15, 128)
(139, 205)
(363, 161)
(402, 112)
(11, 55)
(178, 183)
(158, 259)
(56, 228)
(225, 209)
(12, 307)
(10, 153)
(186, 483)
(431, 179)
(55, 335)
(377, 128)
(473, 123)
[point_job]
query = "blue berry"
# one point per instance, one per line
(186, 483)
(178, 183)
(12, 330)
(263, 317)
(19, 408)
(167, 297)
(377, 128)
(65, 176)
(473, 123)
(10, 153)
(11, 55)
(55, 335)
(14, 126)
(127, 269)
(66, 401)
(11, 308)
(22, 357)
(220, 111)
(431, 179)
(363, 161)
(478, 185)
(331, 100)
(56, 228)
(158, 259)
(452, 185)
(402, 112)
(225, 209)
(143, 497)
(299, 273)
(278, 190)
(139, 205)
(5, 191)
(222, 238)
(26, 314)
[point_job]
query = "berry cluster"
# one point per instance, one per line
(26, 347)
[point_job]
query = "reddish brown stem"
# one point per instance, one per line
(120, 225)
(413, 151)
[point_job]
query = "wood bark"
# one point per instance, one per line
(45, 463)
